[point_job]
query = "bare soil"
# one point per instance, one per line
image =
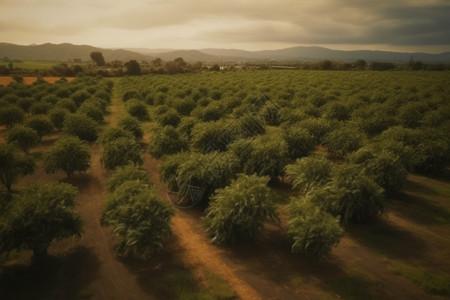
(5, 80)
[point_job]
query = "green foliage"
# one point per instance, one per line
(313, 230)
(69, 154)
(206, 171)
(11, 115)
(139, 217)
(351, 194)
(13, 165)
(113, 133)
(81, 126)
(41, 124)
(384, 166)
(310, 172)
(137, 109)
(23, 137)
(127, 173)
(184, 106)
(57, 115)
(237, 212)
(170, 117)
(344, 140)
(263, 155)
(68, 104)
(80, 96)
(318, 128)
(92, 111)
(49, 216)
(39, 108)
(166, 141)
(132, 125)
(299, 141)
(214, 136)
(121, 152)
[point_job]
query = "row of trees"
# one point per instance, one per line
(212, 138)
(35, 216)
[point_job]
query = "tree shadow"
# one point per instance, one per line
(271, 268)
(161, 273)
(387, 239)
(65, 276)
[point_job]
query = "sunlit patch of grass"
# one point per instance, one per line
(350, 287)
(218, 287)
(430, 282)
(179, 284)
(296, 280)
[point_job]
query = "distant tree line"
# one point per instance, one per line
(118, 68)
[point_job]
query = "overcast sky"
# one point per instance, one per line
(404, 25)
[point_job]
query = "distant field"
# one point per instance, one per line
(34, 65)
(5, 80)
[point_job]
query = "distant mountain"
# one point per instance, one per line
(66, 52)
(187, 55)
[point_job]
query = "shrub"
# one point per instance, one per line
(41, 124)
(166, 141)
(170, 117)
(237, 212)
(92, 111)
(352, 195)
(57, 116)
(127, 173)
(80, 126)
(121, 152)
(344, 140)
(11, 115)
(313, 230)
(69, 154)
(13, 165)
(39, 108)
(139, 217)
(310, 172)
(24, 137)
(113, 133)
(299, 141)
(132, 125)
(49, 216)
(137, 109)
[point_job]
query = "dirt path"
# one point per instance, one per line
(114, 279)
(198, 252)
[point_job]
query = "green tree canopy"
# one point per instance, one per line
(121, 152)
(166, 141)
(237, 212)
(11, 115)
(132, 125)
(41, 124)
(23, 137)
(69, 154)
(81, 126)
(127, 173)
(313, 230)
(13, 165)
(39, 215)
(97, 57)
(139, 217)
(352, 195)
(310, 172)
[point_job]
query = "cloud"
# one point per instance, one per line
(284, 22)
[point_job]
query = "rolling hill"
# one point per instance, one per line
(67, 52)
